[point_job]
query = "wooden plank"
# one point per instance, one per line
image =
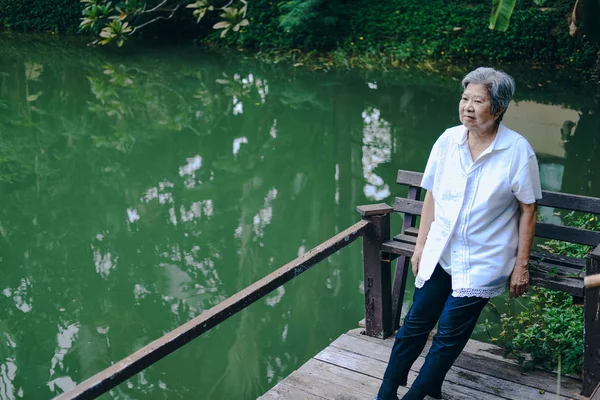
(352, 381)
(596, 252)
(410, 178)
(492, 352)
(541, 275)
(475, 368)
(550, 263)
(567, 234)
(412, 240)
(549, 199)
(320, 387)
(374, 209)
(402, 264)
(283, 391)
(570, 202)
(482, 386)
(548, 231)
(557, 259)
(375, 368)
(395, 247)
(414, 193)
(149, 354)
(591, 337)
(399, 289)
(414, 231)
(408, 206)
(596, 394)
(573, 286)
(377, 278)
(476, 357)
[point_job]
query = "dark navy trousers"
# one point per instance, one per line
(457, 318)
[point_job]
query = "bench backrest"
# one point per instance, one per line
(411, 206)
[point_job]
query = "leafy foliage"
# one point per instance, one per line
(115, 21)
(40, 15)
(233, 19)
(357, 33)
(550, 327)
(298, 13)
(501, 12)
(367, 34)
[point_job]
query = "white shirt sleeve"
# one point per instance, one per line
(430, 169)
(526, 184)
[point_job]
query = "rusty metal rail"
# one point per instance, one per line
(151, 353)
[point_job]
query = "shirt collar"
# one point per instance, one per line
(501, 141)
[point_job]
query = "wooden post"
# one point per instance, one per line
(591, 329)
(377, 272)
(410, 221)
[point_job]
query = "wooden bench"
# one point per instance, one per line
(383, 304)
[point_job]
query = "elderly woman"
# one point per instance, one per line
(475, 235)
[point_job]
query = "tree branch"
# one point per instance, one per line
(144, 11)
(155, 19)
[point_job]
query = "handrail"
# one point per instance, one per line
(105, 380)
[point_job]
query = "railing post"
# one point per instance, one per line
(591, 329)
(377, 272)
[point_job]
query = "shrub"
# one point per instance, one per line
(41, 15)
(550, 328)
(411, 30)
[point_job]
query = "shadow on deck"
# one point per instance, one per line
(352, 366)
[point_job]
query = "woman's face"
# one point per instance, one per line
(474, 109)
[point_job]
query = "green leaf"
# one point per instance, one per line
(221, 25)
(501, 12)
(33, 97)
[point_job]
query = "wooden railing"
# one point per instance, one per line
(382, 303)
(371, 228)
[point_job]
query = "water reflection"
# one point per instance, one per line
(138, 193)
(8, 369)
(377, 149)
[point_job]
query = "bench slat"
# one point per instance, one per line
(570, 202)
(557, 259)
(395, 247)
(408, 206)
(544, 261)
(549, 199)
(410, 178)
(567, 234)
(573, 286)
(539, 275)
(548, 231)
(412, 231)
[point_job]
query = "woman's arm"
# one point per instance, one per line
(519, 280)
(427, 216)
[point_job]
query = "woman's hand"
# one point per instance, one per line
(519, 281)
(416, 259)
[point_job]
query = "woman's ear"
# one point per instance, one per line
(498, 113)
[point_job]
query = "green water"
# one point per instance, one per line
(138, 190)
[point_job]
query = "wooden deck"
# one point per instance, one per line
(352, 366)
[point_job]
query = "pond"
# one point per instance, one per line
(141, 188)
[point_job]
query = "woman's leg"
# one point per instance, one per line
(428, 303)
(457, 322)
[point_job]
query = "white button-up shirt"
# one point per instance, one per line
(474, 235)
